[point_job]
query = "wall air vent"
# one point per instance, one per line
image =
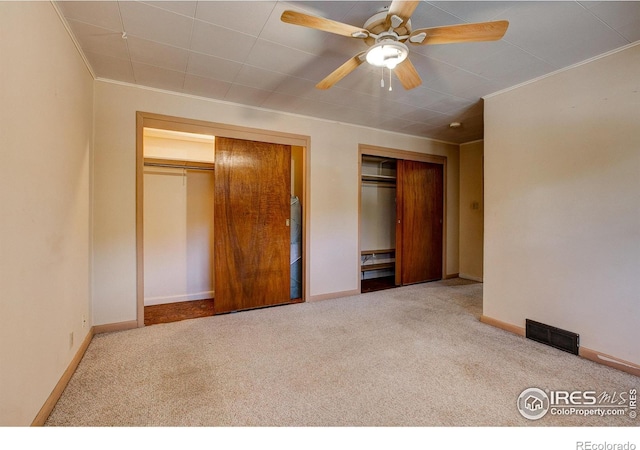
(555, 337)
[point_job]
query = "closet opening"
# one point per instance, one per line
(378, 223)
(178, 225)
(402, 217)
(178, 211)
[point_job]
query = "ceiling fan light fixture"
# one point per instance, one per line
(387, 54)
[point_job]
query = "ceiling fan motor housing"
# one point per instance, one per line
(377, 25)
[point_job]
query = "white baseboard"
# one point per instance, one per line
(332, 295)
(470, 277)
(150, 301)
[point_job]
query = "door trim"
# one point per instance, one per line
(386, 152)
(172, 123)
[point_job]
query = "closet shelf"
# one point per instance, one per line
(377, 252)
(379, 178)
(368, 267)
(178, 164)
(387, 259)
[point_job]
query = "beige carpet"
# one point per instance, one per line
(410, 356)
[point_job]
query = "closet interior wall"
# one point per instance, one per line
(297, 194)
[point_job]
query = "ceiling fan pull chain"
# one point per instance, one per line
(390, 89)
(382, 78)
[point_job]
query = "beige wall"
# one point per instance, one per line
(178, 235)
(562, 204)
(334, 185)
(378, 213)
(46, 132)
(471, 210)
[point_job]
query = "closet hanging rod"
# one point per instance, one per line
(179, 166)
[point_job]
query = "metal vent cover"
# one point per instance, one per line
(555, 337)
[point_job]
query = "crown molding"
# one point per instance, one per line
(564, 69)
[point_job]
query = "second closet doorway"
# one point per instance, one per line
(402, 218)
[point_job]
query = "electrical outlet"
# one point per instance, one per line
(84, 321)
(71, 340)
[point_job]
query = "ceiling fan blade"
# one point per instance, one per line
(322, 24)
(341, 72)
(407, 74)
(468, 32)
(402, 8)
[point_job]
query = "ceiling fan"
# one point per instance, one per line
(387, 34)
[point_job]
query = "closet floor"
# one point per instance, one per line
(377, 284)
(173, 312)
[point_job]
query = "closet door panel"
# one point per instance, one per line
(421, 218)
(251, 213)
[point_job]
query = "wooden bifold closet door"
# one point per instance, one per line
(419, 226)
(251, 222)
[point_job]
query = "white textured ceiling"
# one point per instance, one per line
(241, 52)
